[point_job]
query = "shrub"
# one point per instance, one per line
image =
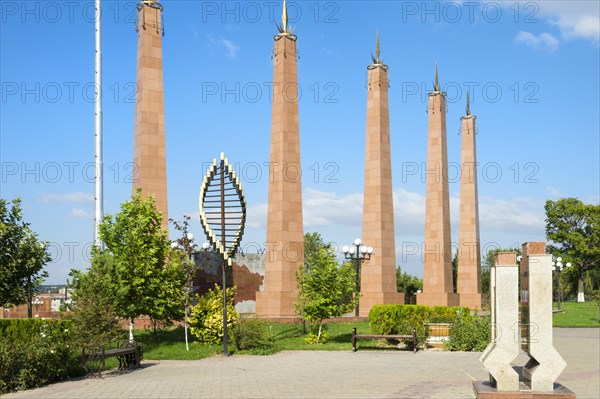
(251, 333)
(469, 333)
(446, 314)
(206, 320)
(35, 352)
(313, 336)
(400, 319)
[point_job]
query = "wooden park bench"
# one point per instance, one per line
(356, 336)
(129, 354)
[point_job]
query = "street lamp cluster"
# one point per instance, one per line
(558, 267)
(358, 253)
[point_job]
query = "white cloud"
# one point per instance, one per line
(79, 213)
(516, 216)
(257, 216)
(231, 48)
(70, 197)
(543, 41)
(553, 191)
(323, 208)
(575, 19)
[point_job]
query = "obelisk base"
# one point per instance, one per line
(370, 299)
(276, 304)
(472, 301)
(438, 299)
(485, 390)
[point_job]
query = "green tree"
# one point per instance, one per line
(326, 288)
(574, 230)
(186, 244)
(94, 312)
(408, 284)
(455, 271)
(22, 256)
(148, 273)
(313, 244)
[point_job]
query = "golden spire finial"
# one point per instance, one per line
(284, 18)
(468, 105)
(377, 61)
(284, 29)
(377, 49)
(436, 85)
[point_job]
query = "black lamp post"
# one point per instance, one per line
(558, 267)
(357, 253)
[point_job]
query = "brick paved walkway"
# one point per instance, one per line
(323, 374)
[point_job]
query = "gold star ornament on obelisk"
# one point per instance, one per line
(284, 29)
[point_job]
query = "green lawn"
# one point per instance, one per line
(575, 314)
(170, 344)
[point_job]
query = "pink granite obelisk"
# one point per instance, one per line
(285, 234)
(149, 151)
(378, 275)
(438, 288)
(469, 253)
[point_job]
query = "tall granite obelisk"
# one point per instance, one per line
(469, 255)
(438, 288)
(149, 152)
(285, 233)
(378, 275)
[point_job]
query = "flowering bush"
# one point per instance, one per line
(34, 353)
(206, 320)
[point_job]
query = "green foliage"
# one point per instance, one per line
(94, 309)
(251, 333)
(400, 319)
(316, 335)
(22, 256)
(408, 284)
(469, 333)
(148, 276)
(313, 244)
(574, 229)
(206, 320)
(35, 352)
(326, 289)
(446, 314)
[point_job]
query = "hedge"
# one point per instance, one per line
(401, 319)
(35, 352)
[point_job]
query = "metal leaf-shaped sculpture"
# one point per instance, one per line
(223, 208)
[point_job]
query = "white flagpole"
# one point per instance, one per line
(98, 166)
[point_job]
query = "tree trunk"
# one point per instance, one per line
(319, 335)
(580, 295)
(131, 329)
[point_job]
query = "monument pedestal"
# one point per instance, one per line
(438, 299)
(485, 390)
(472, 301)
(276, 304)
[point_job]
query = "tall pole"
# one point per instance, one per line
(357, 310)
(30, 298)
(223, 240)
(98, 195)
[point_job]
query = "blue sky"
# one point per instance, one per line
(532, 69)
